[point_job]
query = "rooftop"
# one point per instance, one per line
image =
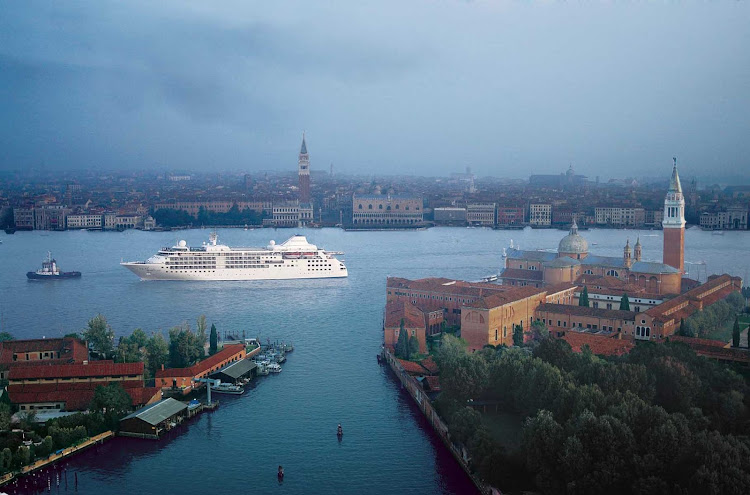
(599, 344)
(94, 369)
(571, 310)
(395, 311)
(157, 412)
(228, 351)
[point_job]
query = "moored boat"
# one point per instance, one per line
(227, 388)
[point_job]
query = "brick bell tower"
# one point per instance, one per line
(674, 223)
(304, 173)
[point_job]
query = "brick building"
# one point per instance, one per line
(182, 377)
(32, 352)
(70, 387)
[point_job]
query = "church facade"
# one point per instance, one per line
(572, 262)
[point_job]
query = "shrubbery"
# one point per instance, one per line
(659, 419)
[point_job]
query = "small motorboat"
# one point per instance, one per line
(339, 431)
(280, 474)
(227, 388)
(193, 404)
(274, 368)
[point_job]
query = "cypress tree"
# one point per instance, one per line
(402, 346)
(213, 344)
(736, 332)
(625, 303)
(682, 327)
(584, 299)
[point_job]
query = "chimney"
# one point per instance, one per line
(162, 367)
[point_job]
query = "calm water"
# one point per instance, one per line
(331, 377)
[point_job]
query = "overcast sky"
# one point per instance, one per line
(414, 87)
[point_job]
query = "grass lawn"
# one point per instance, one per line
(505, 428)
(724, 333)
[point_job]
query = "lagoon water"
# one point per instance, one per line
(332, 376)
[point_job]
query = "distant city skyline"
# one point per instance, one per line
(387, 88)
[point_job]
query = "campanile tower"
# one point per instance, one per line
(304, 173)
(674, 223)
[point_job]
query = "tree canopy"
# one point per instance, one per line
(100, 335)
(111, 399)
(185, 347)
(213, 345)
(5, 336)
(624, 303)
(657, 420)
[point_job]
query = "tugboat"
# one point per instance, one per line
(50, 271)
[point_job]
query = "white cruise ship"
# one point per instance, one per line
(294, 258)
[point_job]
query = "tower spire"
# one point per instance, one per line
(303, 148)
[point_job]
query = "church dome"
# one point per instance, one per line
(573, 243)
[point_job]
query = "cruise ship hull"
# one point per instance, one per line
(159, 272)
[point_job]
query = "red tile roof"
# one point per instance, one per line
(430, 365)
(229, 351)
(433, 383)
(573, 310)
(599, 344)
(512, 295)
(522, 274)
(93, 369)
(75, 398)
(411, 367)
(70, 349)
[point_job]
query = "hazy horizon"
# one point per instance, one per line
(424, 88)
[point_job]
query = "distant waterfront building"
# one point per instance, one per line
(481, 214)
(217, 206)
(731, 218)
(289, 214)
(540, 215)
(23, 218)
(510, 215)
(386, 210)
(84, 221)
(179, 178)
(620, 217)
(653, 218)
(449, 215)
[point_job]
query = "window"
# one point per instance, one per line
(496, 334)
(360, 207)
(588, 272)
(380, 207)
(369, 207)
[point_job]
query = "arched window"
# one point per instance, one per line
(369, 207)
(360, 207)
(389, 208)
(613, 273)
(380, 207)
(588, 271)
(407, 208)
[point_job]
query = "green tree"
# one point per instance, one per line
(5, 414)
(100, 335)
(682, 327)
(518, 334)
(111, 399)
(157, 353)
(736, 332)
(73, 335)
(213, 345)
(22, 457)
(539, 331)
(402, 345)
(200, 330)
(6, 460)
(413, 345)
(128, 351)
(624, 303)
(5, 337)
(46, 448)
(584, 299)
(185, 347)
(139, 338)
